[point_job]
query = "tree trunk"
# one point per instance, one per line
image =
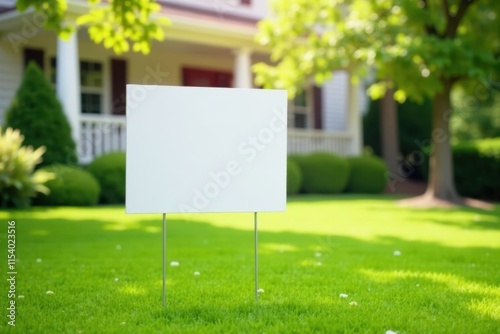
(389, 131)
(441, 184)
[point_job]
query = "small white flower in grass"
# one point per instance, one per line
(417, 285)
(390, 332)
(319, 264)
(196, 273)
(353, 303)
(281, 251)
(343, 295)
(318, 254)
(20, 297)
(397, 253)
(174, 264)
(38, 260)
(260, 291)
(118, 247)
(49, 292)
(116, 279)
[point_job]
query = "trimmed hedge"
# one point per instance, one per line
(367, 175)
(72, 186)
(109, 170)
(293, 177)
(323, 173)
(477, 169)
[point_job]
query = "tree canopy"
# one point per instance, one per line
(116, 24)
(416, 44)
(419, 48)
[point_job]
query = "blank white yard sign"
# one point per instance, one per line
(193, 149)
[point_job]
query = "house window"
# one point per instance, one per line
(91, 85)
(299, 111)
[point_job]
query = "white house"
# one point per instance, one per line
(209, 43)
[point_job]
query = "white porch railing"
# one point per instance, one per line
(307, 141)
(106, 133)
(101, 134)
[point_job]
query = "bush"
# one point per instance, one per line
(323, 173)
(476, 118)
(73, 186)
(293, 177)
(477, 169)
(368, 175)
(18, 181)
(37, 113)
(109, 170)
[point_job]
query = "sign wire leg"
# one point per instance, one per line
(164, 259)
(256, 240)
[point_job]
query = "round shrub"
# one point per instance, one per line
(109, 170)
(368, 175)
(72, 186)
(293, 177)
(323, 173)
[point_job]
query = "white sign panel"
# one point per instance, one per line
(193, 149)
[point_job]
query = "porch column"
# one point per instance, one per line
(68, 82)
(242, 68)
(354, 123)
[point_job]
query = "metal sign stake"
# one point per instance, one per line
(164, 259)
(256, 240)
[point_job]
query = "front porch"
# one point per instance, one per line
(90, 82)
(101, 134)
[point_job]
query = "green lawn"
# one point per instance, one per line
(105, 270)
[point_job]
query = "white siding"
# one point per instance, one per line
(10, 75)
(7, 3)
(335, 103)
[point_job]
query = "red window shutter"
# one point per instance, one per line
(118, 85)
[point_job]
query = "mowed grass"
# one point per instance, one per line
(105, 269)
